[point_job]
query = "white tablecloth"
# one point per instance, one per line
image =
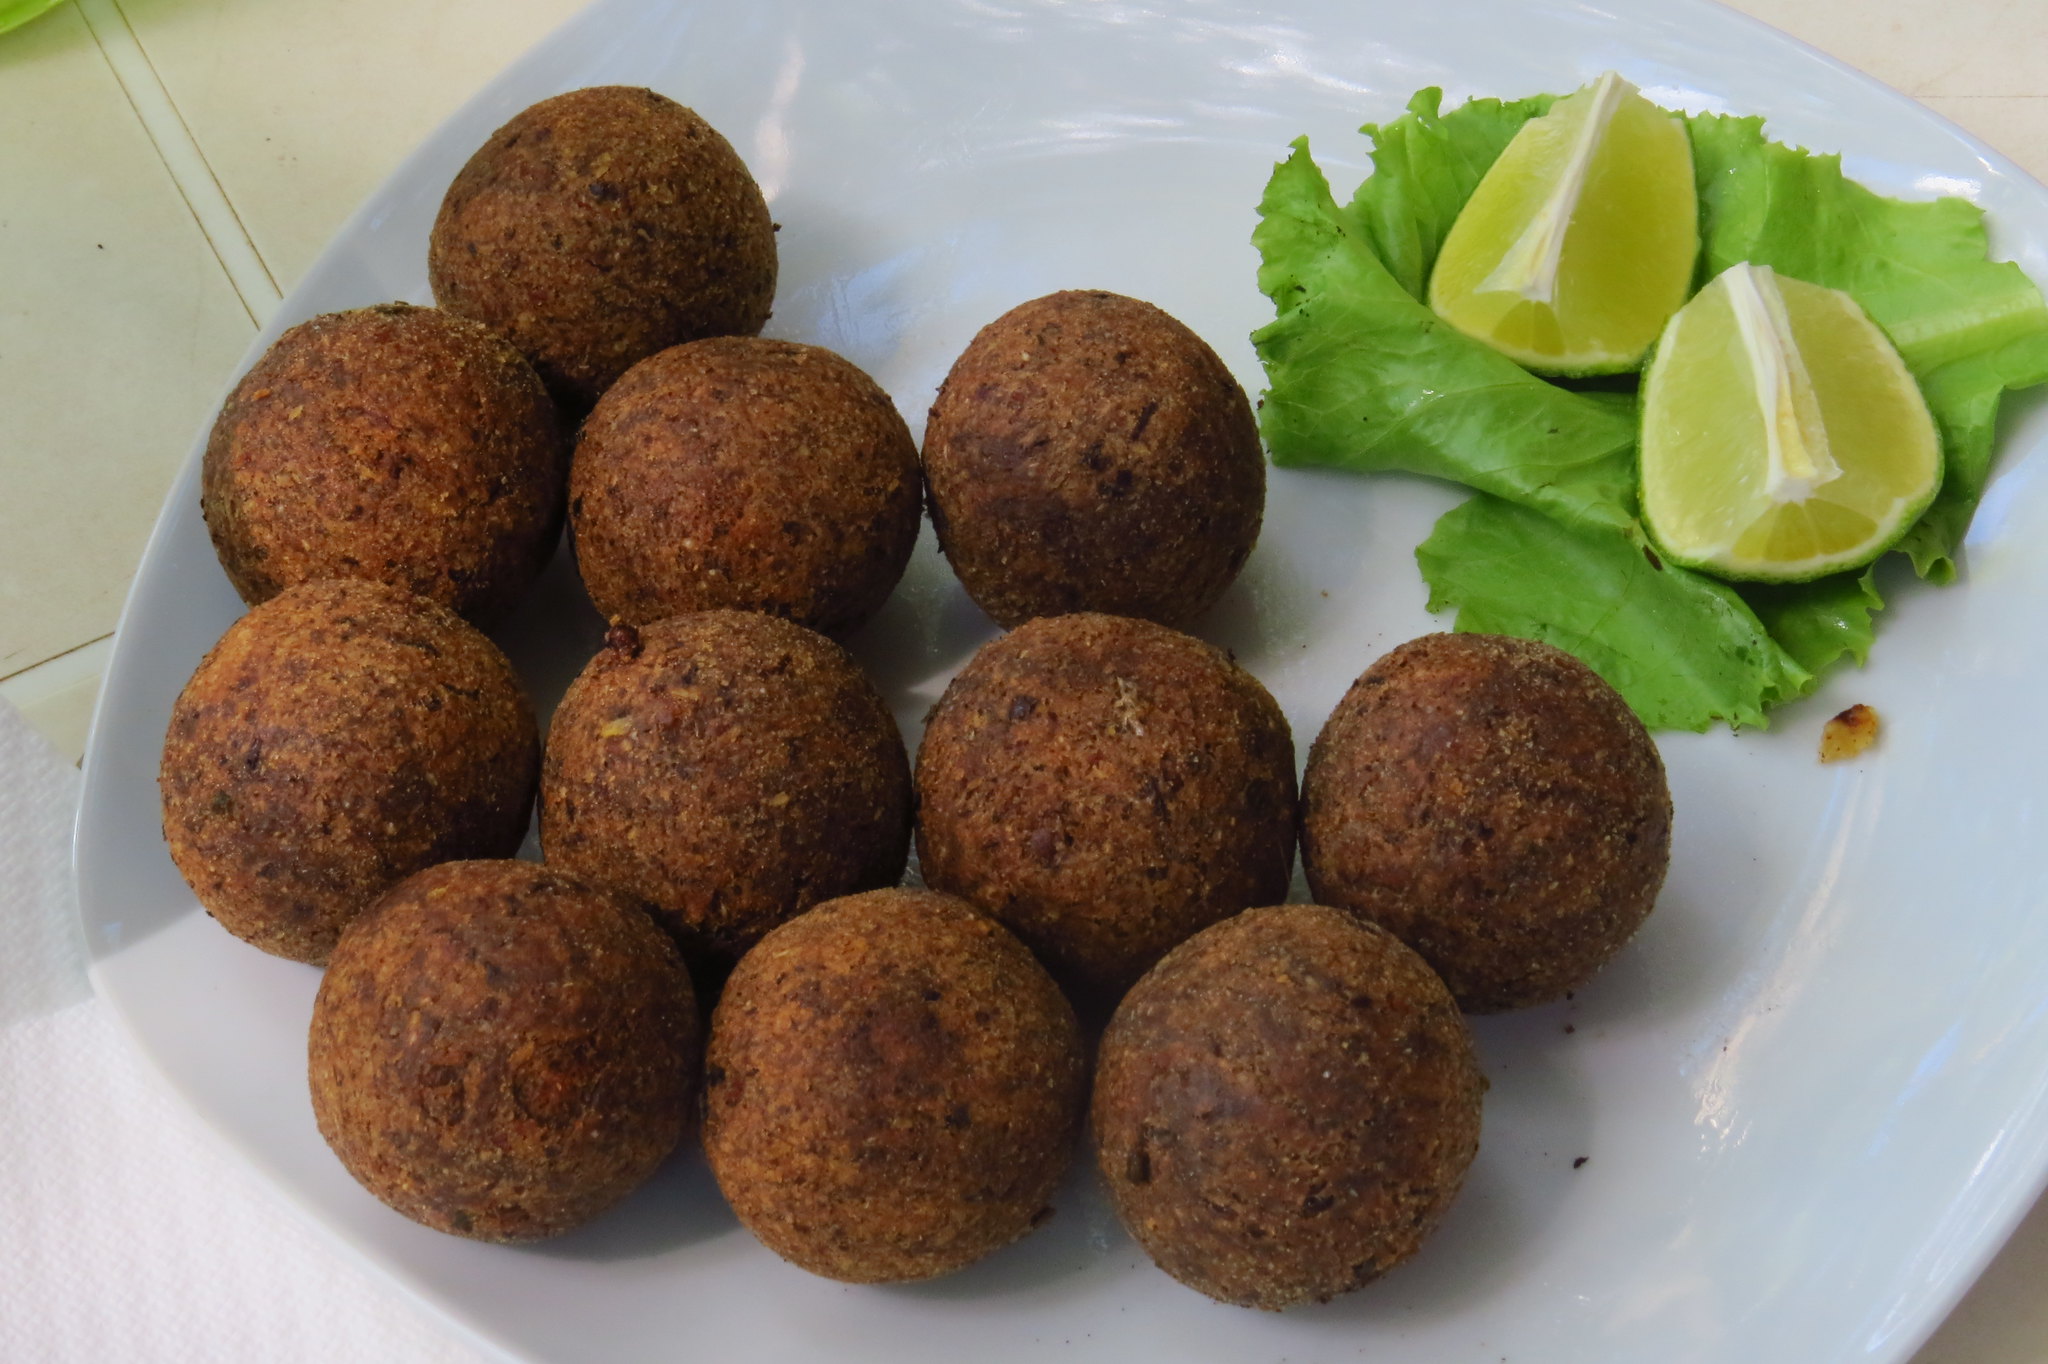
(111, 1192)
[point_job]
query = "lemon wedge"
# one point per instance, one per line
(1579, 242)
(1783, 437)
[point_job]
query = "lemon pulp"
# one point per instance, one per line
(1579, 242)
(1783, 437)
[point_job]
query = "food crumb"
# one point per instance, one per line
(1848, 734)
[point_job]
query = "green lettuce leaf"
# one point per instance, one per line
(1683, 649)
(1361, 375)
(1822, 622)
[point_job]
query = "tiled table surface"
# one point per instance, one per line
(172, 166)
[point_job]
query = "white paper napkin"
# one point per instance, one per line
(128, 1232)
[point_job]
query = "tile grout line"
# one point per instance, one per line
(80, 663)
(8, 679)
(182, 158)
(275, 292)
(40, 684)
(57, 696)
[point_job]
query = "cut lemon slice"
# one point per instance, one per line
(1783, 437)
(1579, 243)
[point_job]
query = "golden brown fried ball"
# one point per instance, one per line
(339, 738)
(1497, 806)
(1106, 786)
(400, 444)
(1089, 453)
(731, 770)
(743, 473)
(598, 227)
(1285, 1106)
(503, 1050)
(892, 1088)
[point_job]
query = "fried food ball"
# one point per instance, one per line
(400, 444)
(892, 1088)
(503, 1050)
(745, 473)
(598, 227)
(1285, 1106)
(1496, 805)
(731, 770)
(339, 738)
(1105, 786)
(1089, 453)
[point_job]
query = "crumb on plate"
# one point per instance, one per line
(1848, 734)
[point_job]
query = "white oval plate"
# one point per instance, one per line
(1808, 1095)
